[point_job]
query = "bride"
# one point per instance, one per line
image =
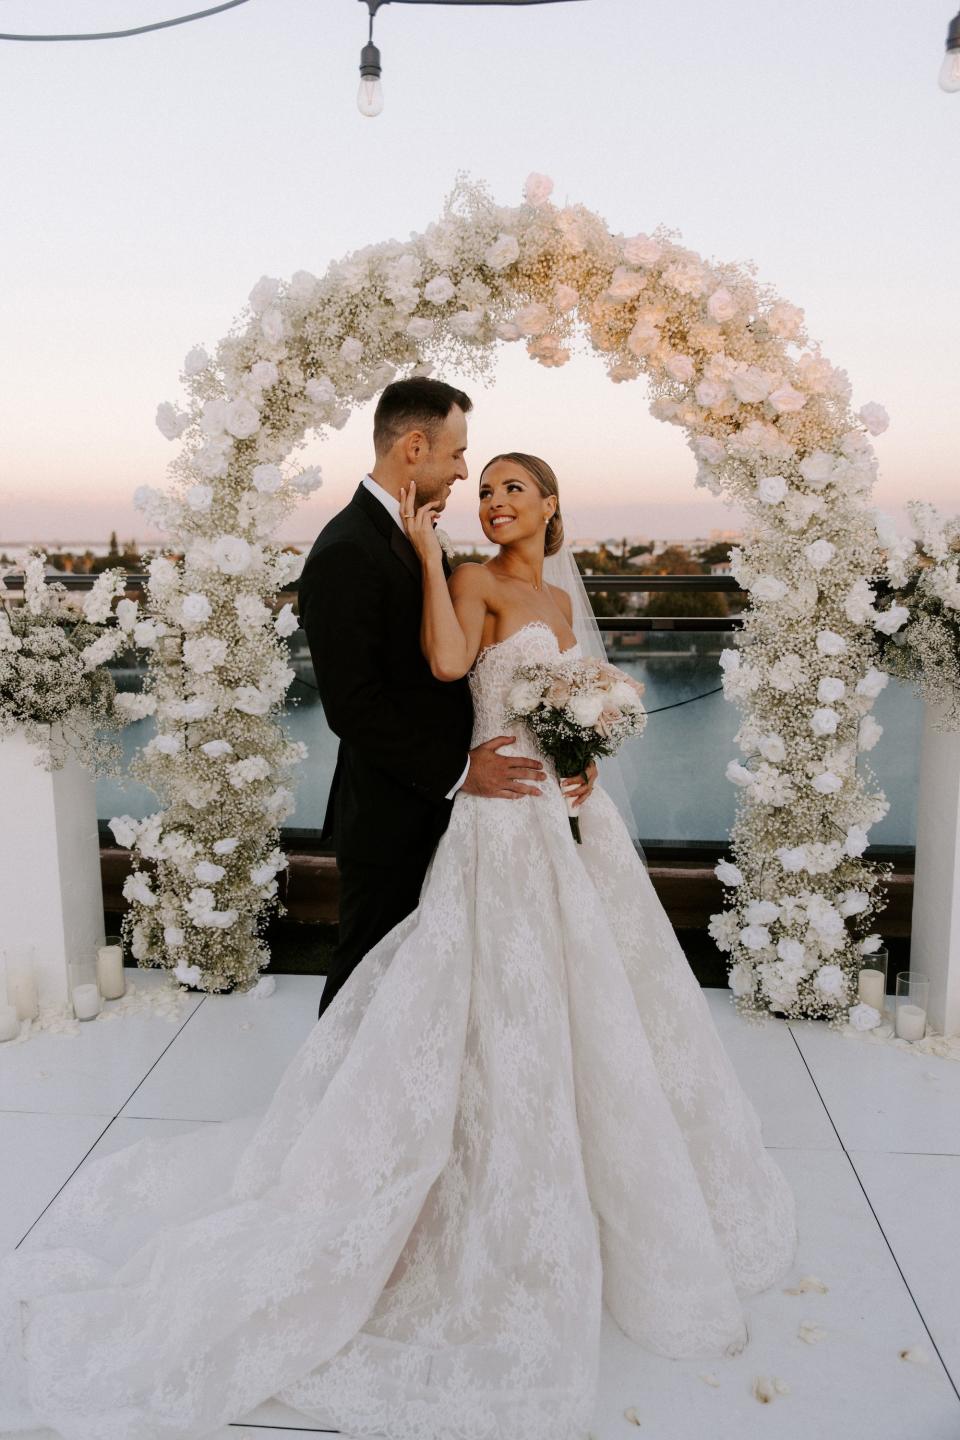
(516, 1110)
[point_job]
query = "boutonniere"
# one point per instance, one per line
(446, 544)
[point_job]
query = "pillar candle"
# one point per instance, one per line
(86, 1001)
(22, 992)
(9, 1024)
(870, 988)
(911, 1022)
(110, 971)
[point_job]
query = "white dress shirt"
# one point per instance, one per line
(392, 505)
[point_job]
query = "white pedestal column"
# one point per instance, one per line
(50, 891)
(935, 940)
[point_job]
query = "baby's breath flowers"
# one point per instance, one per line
(769, 423)
(54, 688)
(923, 581)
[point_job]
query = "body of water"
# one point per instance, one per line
(681, 792)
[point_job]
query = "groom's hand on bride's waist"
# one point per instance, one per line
(505, 777)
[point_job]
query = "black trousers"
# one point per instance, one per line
(373, 898)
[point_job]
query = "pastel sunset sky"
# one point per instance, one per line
(149, 182)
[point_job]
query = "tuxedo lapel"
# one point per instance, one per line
(389, 529)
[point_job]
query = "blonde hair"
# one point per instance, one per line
(546, 482)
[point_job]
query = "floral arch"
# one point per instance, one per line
(769, 422)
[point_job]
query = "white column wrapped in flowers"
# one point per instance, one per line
(769, 422)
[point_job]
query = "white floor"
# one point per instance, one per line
(868, 1135)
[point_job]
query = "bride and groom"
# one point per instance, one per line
(515, 1108)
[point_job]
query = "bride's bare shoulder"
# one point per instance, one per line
(470, 577)
(562, 597)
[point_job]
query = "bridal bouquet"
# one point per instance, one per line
(578, 710)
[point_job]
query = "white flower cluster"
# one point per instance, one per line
(923, 576)
(53, 649)
(768, 420)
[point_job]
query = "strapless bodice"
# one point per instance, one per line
(494, 669)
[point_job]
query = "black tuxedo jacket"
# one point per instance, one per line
(404, 735)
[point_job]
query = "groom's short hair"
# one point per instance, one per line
(415, 404)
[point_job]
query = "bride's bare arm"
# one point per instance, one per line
(452, 625)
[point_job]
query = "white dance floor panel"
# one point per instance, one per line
(868, 1136)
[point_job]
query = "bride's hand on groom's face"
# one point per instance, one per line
(502, 777)
(419, 524)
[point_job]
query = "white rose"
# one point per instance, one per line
(831, 982)
(267, 479)
(146, 634)
(216, 748)
(817, 469)
(199, 497)
(135, 887)
(565, 297)
(625, 284)
(125, 830)
(585, 709)
(830, 688)
(856, 841)
(127, 612)
(642, 250)
(286, 622)
(173, 937)
(212, 461)
(824, 720)
(194, 609)
(791, 951)
(819, 554)
(439, 290)
(827, 783)
(196, 361)
(532, 319)
(750, 383)
(351, 350)
(263, 294)
(853, 902)
(710, 449)
(792, 858)
(504, 250)
(830, 643)
(784, 320)
(508, 330)
(465, 323)
(204, 653)
(171, 422)
(739, 774)
(305, 483)
(225, 847)
(772, 748)
(755, 937)
(864, 1017)
(786, 400)
(231, 554)
(537, 189)
(762, 912)
(729, 660)
(888, 622)
(419, 328)
(187, 974)
(868, 733)
(251, 701)
(208, 873)
(771, 489)
(679, 367)
(768, 587)
(711, 392)
(742, 980)
(874, 417)
(728, 874)
(721, 305)
(872, 683)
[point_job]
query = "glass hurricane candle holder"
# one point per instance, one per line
(110, 981)
(872, 979)
(912, 998)
(84, 991)
(21, 981)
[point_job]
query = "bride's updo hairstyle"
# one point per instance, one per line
(546, 482)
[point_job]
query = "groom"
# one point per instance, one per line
(404, 735)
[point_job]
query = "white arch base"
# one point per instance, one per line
(51, 897)
(935, 940)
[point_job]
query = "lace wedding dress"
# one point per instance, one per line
(518, 1108)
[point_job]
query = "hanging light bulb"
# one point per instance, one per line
(370, 93)
(949, 78)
